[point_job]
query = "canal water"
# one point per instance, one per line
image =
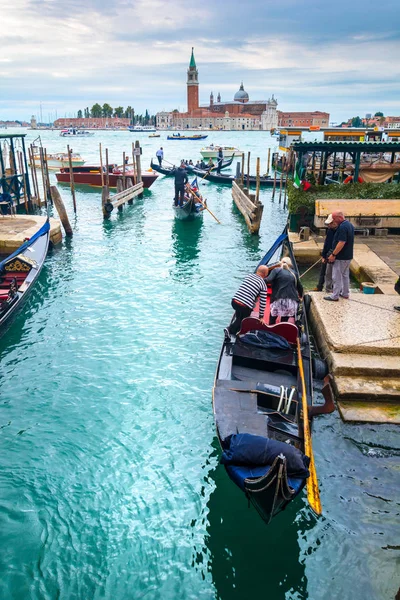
(109, 474)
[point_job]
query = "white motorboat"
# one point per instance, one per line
(142, 129)
(58, 160)
(72, 131)
(212, 151)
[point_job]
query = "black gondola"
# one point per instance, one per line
(192, 207)
(222, 178)
(257, 398)
(170, 171)
(19, 271)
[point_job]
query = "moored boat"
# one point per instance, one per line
(169, 171)
(223, 178)
(228, 151)
(58, 160)
(262, 390)
(178, 136)
(91, 175)
(154, 135)
(142, 129)
(19, 272)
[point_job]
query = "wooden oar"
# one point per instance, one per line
(312, 266)
(312, 482)
(201, 202)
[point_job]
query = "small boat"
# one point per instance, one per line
(19, 271)
(142, 129)
(169, 171)
(91, 175)
(154, 135)
(222, 178)
(212, 151)
(192, 207)
(58, 160)
(72, 131)
(178, 136)
(262, 377)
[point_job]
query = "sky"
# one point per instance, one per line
(342, 57)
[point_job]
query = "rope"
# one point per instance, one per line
(372, 305)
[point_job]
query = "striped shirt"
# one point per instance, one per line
(252, 287)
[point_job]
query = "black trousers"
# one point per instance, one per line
(321, 281)
(219, 165)
(179, 194)
(241, 312)
(159, 160)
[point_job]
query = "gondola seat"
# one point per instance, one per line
(289, 331)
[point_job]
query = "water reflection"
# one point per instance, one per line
(186, 236)
(251, 242)
(246, 557)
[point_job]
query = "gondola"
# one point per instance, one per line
(192, 208)
(218, 178)
(257, 404)
(186, 137)
(19, 272)
(170, 171)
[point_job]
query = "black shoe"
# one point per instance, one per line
(397, 308)
(331, 299)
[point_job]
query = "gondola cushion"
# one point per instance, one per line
(238, 474)
(254, 450)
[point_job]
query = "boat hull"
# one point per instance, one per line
(222, 178)
(94, 178)
(228, 152)
(55, 164)
(186, 137)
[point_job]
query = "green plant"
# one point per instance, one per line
(298, 198)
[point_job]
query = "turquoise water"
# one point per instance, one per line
(110, 484)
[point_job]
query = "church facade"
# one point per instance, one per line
(239, 114)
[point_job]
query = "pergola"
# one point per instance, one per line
(14, 179)
(320, 153)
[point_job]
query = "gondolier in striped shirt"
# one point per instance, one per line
(245, 298)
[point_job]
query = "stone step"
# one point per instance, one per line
(369, 365)
(367, 388)
(370, 412)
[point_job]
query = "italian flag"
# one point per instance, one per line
(297, 180)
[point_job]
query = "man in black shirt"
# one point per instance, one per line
(341, 257)
(220, 159)
(181, 179)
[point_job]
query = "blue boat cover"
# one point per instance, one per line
(239, 473)
(245, 449)
(265, 339)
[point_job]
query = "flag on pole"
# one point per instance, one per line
(297, 180)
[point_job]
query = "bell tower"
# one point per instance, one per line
(192, 85)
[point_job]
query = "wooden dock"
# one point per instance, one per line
(14, 230)
(249, 206)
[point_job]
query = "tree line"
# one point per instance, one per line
(106, 111)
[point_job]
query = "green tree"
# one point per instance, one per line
(107, 110)
(87, 113)
(146, 117)
(356, 122)
(119, 111)
(379, 114)
(80, 114)
(96, 111)
(129, 113)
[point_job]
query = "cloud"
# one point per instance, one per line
(310, 54)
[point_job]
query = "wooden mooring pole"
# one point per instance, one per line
(242, 177)
(62, 213)
(46, 166)
(258, 181)
(274, 188)
(71, 177)
(34, 174)
(43, 174)
(248, 170)
(21, 170)
(280, 186)
(138, 165)
(268, 160)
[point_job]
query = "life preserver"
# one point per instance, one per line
(350, 178)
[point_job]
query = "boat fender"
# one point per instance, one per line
(307, 302)
(350, 178)
(319, 368)
(108, 207)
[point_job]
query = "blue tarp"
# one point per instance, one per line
(265, 339)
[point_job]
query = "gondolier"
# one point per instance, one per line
(160, 155)
(245, 298)
(181, 179)
(220, 159)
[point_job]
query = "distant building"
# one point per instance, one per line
(33, 122)
(93, 123)
(392, 122)
(238, 114)
(303, 119)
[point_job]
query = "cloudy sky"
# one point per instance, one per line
(342, 57)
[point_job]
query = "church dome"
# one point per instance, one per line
(241, 95)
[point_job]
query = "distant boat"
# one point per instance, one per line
(19, 271)
(142, 129)
(72, 131)
(154, 135)
(212, 151)
(178, 136)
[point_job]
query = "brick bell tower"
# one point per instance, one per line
(192, 86)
